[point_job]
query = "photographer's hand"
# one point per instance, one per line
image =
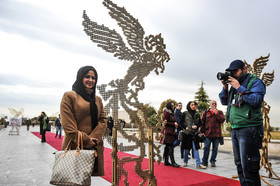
(234, 82)
(225, 85)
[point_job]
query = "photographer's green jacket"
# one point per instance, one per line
(245, 111)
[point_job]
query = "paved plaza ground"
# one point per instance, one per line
(24, 160)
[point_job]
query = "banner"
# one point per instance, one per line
(15, 122)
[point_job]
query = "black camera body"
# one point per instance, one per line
(224, 76)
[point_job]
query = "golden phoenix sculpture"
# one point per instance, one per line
(146, 54)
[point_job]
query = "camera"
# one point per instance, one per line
(224, 76)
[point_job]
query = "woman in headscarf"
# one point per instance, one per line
(44, 121)
(191, 122)
(81, 110)
(169, 134)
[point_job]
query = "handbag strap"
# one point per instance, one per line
(205, 115)
(79, 141)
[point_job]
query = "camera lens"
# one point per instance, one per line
(220, 76)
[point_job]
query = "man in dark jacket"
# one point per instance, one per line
(244, 102)
(178, 116)
(212, 119)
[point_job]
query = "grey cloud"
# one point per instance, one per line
(14, 79)
(28, 15)
(42, 25)
(8, 100)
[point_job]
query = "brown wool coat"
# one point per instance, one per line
(75, 115)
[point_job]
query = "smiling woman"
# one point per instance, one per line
(89, 79)
(82, 111)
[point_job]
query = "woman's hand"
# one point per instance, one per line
(176, 124)
(194, 127)
(92, 143)
(187, 128)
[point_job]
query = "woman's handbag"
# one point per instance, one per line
(49, 127)
(199, 137)
(180, 135)
(221, 141)
(73, 167)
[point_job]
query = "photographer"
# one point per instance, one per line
(244, 101)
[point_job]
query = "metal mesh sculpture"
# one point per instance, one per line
(146, 54)
(267, 78)
(15, 115)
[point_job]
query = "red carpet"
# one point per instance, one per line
(165, 175)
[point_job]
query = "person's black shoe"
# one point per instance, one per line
(213, 165)
(204, 164)
(175, 165)
(167, 164)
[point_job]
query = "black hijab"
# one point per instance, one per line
(79, 87)
(192, 112)
(169, 106)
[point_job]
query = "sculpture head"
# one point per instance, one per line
(159, 55)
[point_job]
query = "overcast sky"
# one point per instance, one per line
(43, 45)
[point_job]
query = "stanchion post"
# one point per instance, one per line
(114, 158)
(152, 179)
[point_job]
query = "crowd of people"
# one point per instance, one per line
(188, 128)
(81, 110)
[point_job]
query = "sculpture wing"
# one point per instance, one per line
(132, 29)
(16, 113)
(259, 64)
(268, 78)
(109, 40)
(249, 67)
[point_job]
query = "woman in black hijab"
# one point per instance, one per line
(87, 89)
(169, 134)
(81, 110)
(191, 122)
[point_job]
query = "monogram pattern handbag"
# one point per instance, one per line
(73, 167)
